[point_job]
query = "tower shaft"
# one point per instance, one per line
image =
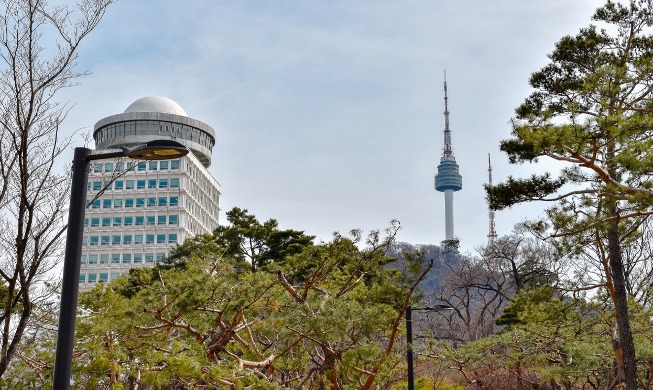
(448, 214)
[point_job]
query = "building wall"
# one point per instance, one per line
(143, 213)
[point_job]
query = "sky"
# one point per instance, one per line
(329, 114)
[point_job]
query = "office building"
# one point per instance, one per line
(137, 211)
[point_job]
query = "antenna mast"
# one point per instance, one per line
(447, 151)
(492, 233)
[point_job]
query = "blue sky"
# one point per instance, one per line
(329, 114)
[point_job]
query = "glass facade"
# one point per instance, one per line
(157, 128)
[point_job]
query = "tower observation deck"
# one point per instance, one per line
(448, 178)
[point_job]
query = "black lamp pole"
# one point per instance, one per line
(70, 282)
(153, 150)
(409, 339)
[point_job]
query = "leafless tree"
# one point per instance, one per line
(38, 52)
(477, 294)
(637, 253)
(524, 260)
(478, 287)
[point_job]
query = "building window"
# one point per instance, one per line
(151, 183)
(163, 201)
(95, 222)
(174, 200)
(106, 221)
(117, 203)
(149, 258)
(140, 220)
(96, 204)
(161, 220)
(114, 275)
(174, 164)
(108, 167)
(129, 184)
(172, 238)
(140, 184)
(174, 182)
(115, 258)
(92, 277)
(92, 259)
(83, 259)
(82, 278)
(117, 221)
(153, 165)
(127, 239)
(173, 219)
(151, 202)
(129, 202)
(140, 202)
(126, 258)
(118, 185)
(163, 165)
(104, 277)
(149, 220)
(95, 240)
(128, 221)
(97, 168)
(138, 239)
(142, 166)
(138, 258)
(104, 240)
(85, 222)
(106, 203)
(104, 258)
(97, 185)
(159, 257)
(149, 238)
(160, 238)
(115, 240)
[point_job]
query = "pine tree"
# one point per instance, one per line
(591, 110)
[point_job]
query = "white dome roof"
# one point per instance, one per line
(156, 104)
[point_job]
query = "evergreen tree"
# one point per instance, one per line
(591, 110)
(324, 315)
(247, 239)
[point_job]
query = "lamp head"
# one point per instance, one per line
(157, 150)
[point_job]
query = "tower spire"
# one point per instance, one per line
(492, 232)
(446, 151)
(448, 178)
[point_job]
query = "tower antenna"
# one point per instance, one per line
(447, 151)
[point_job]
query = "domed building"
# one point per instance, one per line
(139, 210)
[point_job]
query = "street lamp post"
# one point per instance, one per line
(409, 338)
(153, 150)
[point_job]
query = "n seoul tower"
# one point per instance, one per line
(448, 179)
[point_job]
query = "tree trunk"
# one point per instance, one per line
(621, 304)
